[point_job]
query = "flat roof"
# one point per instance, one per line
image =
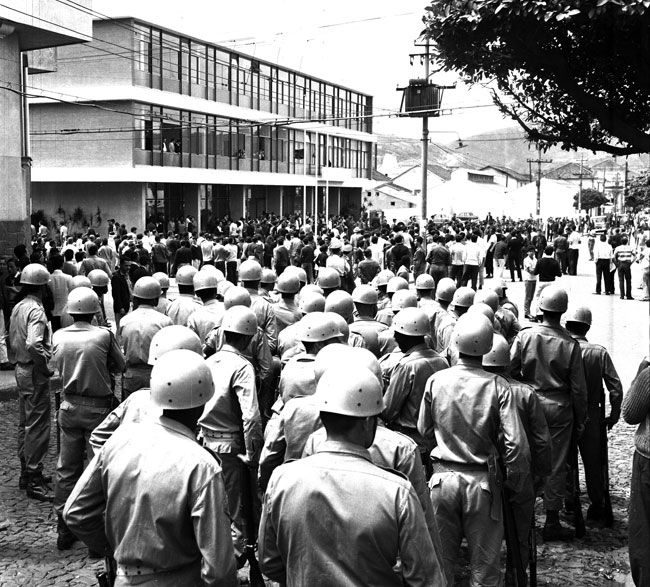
(223, 48)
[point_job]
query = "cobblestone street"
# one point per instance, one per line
(28, 554)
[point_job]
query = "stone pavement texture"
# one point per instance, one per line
(28, 554)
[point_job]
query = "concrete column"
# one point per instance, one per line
(14, 204)
(237, 202)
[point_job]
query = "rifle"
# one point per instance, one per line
(57, 407)
(248, 506)
(578, 520)
(106, 578)
(510, 530)
(532, 553)
(604, 463)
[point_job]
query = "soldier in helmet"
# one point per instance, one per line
(402, 299)
(210, 314)
(267, 285)
(365, 301)
(152, 497)
(329, 279)
(408, 378)
(341, 303)
(30, 338)
(464, 410)
(461, 302)
(136, 331)
(250, 274)
(395, 284)
(549, 360)
(309, 499)
(87, 358)
(598, 368)
(381, 283)
(286, 310)
(163, 302)
(288, 341)
(186, 303)
(532, 418)
(99, 282)
(138, 406)
(231, 423)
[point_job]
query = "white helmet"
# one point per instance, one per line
(288, 284)
(340, 301)
(317, 327)
(354, 391)
(241, 320)
(268, 276)
(403, 298)
(147, 288)
(341, 356)
(411, 322)
(212, 270)
(98, 278)
(185, 275)
(182, 381)
(80, 281)
(205, 280)
(499, 355)
(341, 324)
(250, 270)
(425, 281)
(383, 277)
(162, 279)
(236, 296)
(172, 338)
(473, 335)
(311, 302)
(82, 300)
(365, 294)
(329, 278)
(34, 274)
(481, 309)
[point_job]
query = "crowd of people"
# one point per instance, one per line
(360, 394)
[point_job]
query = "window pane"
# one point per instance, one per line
(170, 48)
(143, 47)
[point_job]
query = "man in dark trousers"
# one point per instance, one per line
(515, 244)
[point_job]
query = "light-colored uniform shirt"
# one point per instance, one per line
(206, 317)
(265, 317)
(85, 356)
(319, 529)
(231, 419)
(181, 309)
(286, 313)
(369, 330)
(29, 333)
(158, 499)
(137, 328)
(298, 377)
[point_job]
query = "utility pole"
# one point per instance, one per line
(580, 176)
(425, 141)
(625, 188)
(538, 181)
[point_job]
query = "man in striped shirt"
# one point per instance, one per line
(624, 256)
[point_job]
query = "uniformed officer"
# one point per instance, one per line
(210, 314)
(406, 387)
(231, 424)
(546, 357)
(77, 281)
(507, 319)
(463, 411)
(250, 273)
(444, 294)
(395, 284)
(30, 339)
(532, 419)
(286, 311)
(182, 307)
(341, 303)
(318, 528)
(329, 280)
(152, 497)
(292, 423)
(365, 301)
(87, 358)
(424, 288)
(267, 285)
(315, 331)
(136, 330)
(460, 303)
(138, 406)
(403, 298)
(289, 343)
(163, 302)
(381, 283)
(598, 367)
(99, 281)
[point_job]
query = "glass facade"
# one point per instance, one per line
(178, 138)
(168, 62)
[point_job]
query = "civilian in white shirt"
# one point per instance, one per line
(472, 260)
(573, 252)
(603, 254)
(61, 285)
(530, 280)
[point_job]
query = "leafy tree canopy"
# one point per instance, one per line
(591, 198)
(570, 72)
(638, 192)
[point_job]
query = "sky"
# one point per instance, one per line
(362, 44)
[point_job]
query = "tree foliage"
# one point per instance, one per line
(570, 72)
(638, 192)
(591, 198)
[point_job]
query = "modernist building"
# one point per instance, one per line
(28, 32)
(149, 124)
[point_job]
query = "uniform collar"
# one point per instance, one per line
(349, 448)
(468, 364)
(176, 427)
